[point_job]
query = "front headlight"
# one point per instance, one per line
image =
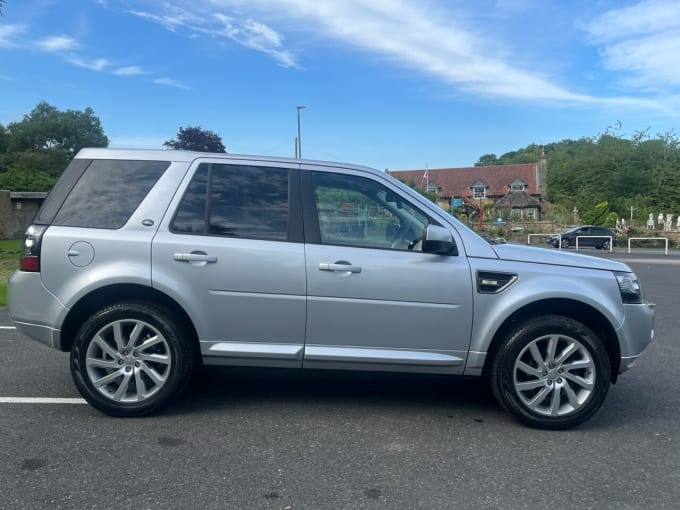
(629, 287)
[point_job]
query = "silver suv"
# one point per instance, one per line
(145, 264)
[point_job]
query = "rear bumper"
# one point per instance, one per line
(36, 312)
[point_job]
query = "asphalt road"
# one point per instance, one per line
(287, 439)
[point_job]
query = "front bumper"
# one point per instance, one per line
(636, 332)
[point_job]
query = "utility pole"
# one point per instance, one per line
(298, 152)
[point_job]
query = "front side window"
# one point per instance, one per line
(356, 211)
(108, 192)
(235, 201)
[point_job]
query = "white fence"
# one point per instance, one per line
(665, 239)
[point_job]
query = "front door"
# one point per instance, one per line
(374, 299)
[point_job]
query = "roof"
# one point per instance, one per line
(520, 199)
(456, 182)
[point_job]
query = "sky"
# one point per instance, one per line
(392, 84)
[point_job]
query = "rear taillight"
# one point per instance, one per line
(30, 254)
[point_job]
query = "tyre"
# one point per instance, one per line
(565, 243)
(131, 358)
(605, 245)
(551, 373)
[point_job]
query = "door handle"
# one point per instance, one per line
(340, 267)
(194, 257)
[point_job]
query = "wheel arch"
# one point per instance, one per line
(576, 310)
(104, 296)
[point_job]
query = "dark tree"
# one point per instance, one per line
(193, 138)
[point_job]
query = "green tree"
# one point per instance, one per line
(487, 160)
(642, 172)
(35, 150)
(4, 139)
(430, 195)
(193, 138)
(48, 128)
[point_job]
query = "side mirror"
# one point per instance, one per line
(439, 241)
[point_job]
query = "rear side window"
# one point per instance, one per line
(108, 192)
(235, 201)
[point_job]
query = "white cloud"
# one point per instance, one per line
(8, 35)
(99, 65)
(642, 41)
(128, 71)
(426, 36)
(171, 83)
(440, 38)
(646, 17)
(257, 36)
(57, 44)
(198, 20)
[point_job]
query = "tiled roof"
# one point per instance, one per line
(518, 199)
(456, 182)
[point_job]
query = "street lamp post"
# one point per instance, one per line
(299, 139)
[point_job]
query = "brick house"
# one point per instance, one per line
(517, 192)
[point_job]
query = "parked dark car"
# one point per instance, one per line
(588, 236)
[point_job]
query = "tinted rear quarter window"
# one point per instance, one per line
(108, 192)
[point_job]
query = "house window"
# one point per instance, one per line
(518, 187)
(432, 186)
(531, 213)
(479, 192)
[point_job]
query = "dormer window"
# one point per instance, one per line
(478, 189)
(518, 185)
(432, 186)
(478, 192)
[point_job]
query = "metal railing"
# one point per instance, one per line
(529, 236)
(649, 239)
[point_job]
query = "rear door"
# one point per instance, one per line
(232, 255)
(374, 299)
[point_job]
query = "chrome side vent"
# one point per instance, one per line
(492, 282)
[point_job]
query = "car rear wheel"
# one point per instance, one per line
(131, 358)
(551, 373)
(605, 245)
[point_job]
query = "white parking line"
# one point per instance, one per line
(8, 327)
(40, 400)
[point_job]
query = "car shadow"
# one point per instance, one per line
(238, 386)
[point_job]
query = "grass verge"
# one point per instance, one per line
(9, 262)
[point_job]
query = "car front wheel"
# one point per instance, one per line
(565, 243)
(551, 373)
(131, 358)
